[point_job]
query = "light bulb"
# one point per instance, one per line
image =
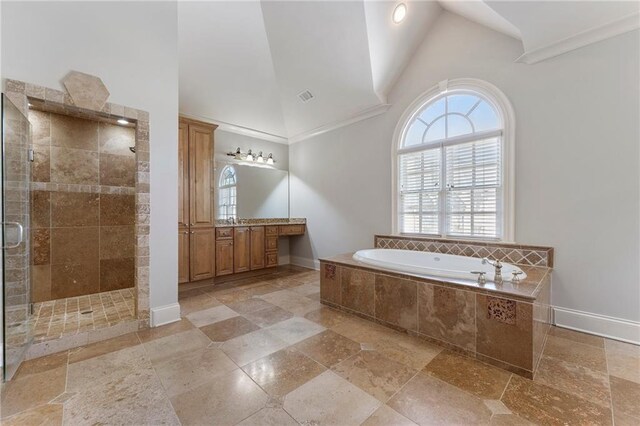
(270, 159)
(399, 13)
(249, 156)
(123, 122)
(260, 159)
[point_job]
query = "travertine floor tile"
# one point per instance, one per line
(165, 330)
(250, 305)
(328, 348)
(176, 345)
(228, 329)
(179, 375)
(427, 400)
(578, 353)
(330, 400)
(44, 415)
(268, 316)
(292, 302)
(211, 315)
(542, 404)
(625, 396)
(306, 289)
(375, 374)
(117, 388)
(224, 400)
(623, 360)
(40, 365)
(252, 346)
(475, 377)
(269, 417)
(327, 317)
(103, 347)
(198, 302)
(508, 420)
(574, 379)
(587, 339)
(295, 329)
(386, 416)
(32, 390)
(283, 371)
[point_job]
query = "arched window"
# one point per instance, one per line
(227, 193)
(453, 149)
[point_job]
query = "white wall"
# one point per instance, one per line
(133, 47)
(577, 165)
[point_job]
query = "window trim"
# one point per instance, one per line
(495, 97)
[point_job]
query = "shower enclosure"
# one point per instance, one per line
(16, 298)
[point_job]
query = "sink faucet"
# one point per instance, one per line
(498, 269)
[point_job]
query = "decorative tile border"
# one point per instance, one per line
(505, 252)
(92, 189)
(22, 93)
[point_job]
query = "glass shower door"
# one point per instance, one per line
(16, 297)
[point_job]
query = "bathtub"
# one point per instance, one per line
(433, 264)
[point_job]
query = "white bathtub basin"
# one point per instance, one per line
(433, 264)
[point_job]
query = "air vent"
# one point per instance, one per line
(305, 96)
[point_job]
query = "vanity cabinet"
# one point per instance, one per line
(257, 248)
(241, 249)
(196, 239)
(271, 246)
(224, 258)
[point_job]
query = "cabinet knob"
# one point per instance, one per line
(193, 232)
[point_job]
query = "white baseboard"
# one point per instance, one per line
(305, 262)
(165, 314)
(601, 325)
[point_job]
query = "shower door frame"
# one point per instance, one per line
(21, 93)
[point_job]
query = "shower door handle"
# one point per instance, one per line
(20, 234)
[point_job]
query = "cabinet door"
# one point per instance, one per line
(224, 257)
(272, 259)
(241, 249)
(183, 174)
(257, 247)
(200, 175)
(202, 254)
(183, 256)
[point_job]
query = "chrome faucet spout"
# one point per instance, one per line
(497, 278)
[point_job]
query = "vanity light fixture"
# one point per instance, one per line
(123, 121)
(399, 13)
(251, 157)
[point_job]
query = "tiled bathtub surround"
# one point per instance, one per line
(59, 102)
(83, 210)
(512, 253)
(502, 325)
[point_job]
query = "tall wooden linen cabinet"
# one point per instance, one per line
(196, 217)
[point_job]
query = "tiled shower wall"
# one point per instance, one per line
(82, 207)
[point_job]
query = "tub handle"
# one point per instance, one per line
(481, 277)
(516, 277)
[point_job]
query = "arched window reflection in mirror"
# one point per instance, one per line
(227, 199)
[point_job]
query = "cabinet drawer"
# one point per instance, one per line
(291, 229)
(271, 230)
(224, 233)
(271, 260)
(271, 243)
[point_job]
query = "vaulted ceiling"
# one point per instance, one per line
(243, 64)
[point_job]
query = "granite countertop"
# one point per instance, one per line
(527, 289)
(257, 222)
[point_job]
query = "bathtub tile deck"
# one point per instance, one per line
(321, 366)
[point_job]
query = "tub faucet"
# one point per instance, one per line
(498, 269)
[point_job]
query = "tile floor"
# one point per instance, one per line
(63, 317)
(267, 353)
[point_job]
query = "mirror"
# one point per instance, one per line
(248, 191)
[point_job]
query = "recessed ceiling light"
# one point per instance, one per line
(399, 13)
(123, 122)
